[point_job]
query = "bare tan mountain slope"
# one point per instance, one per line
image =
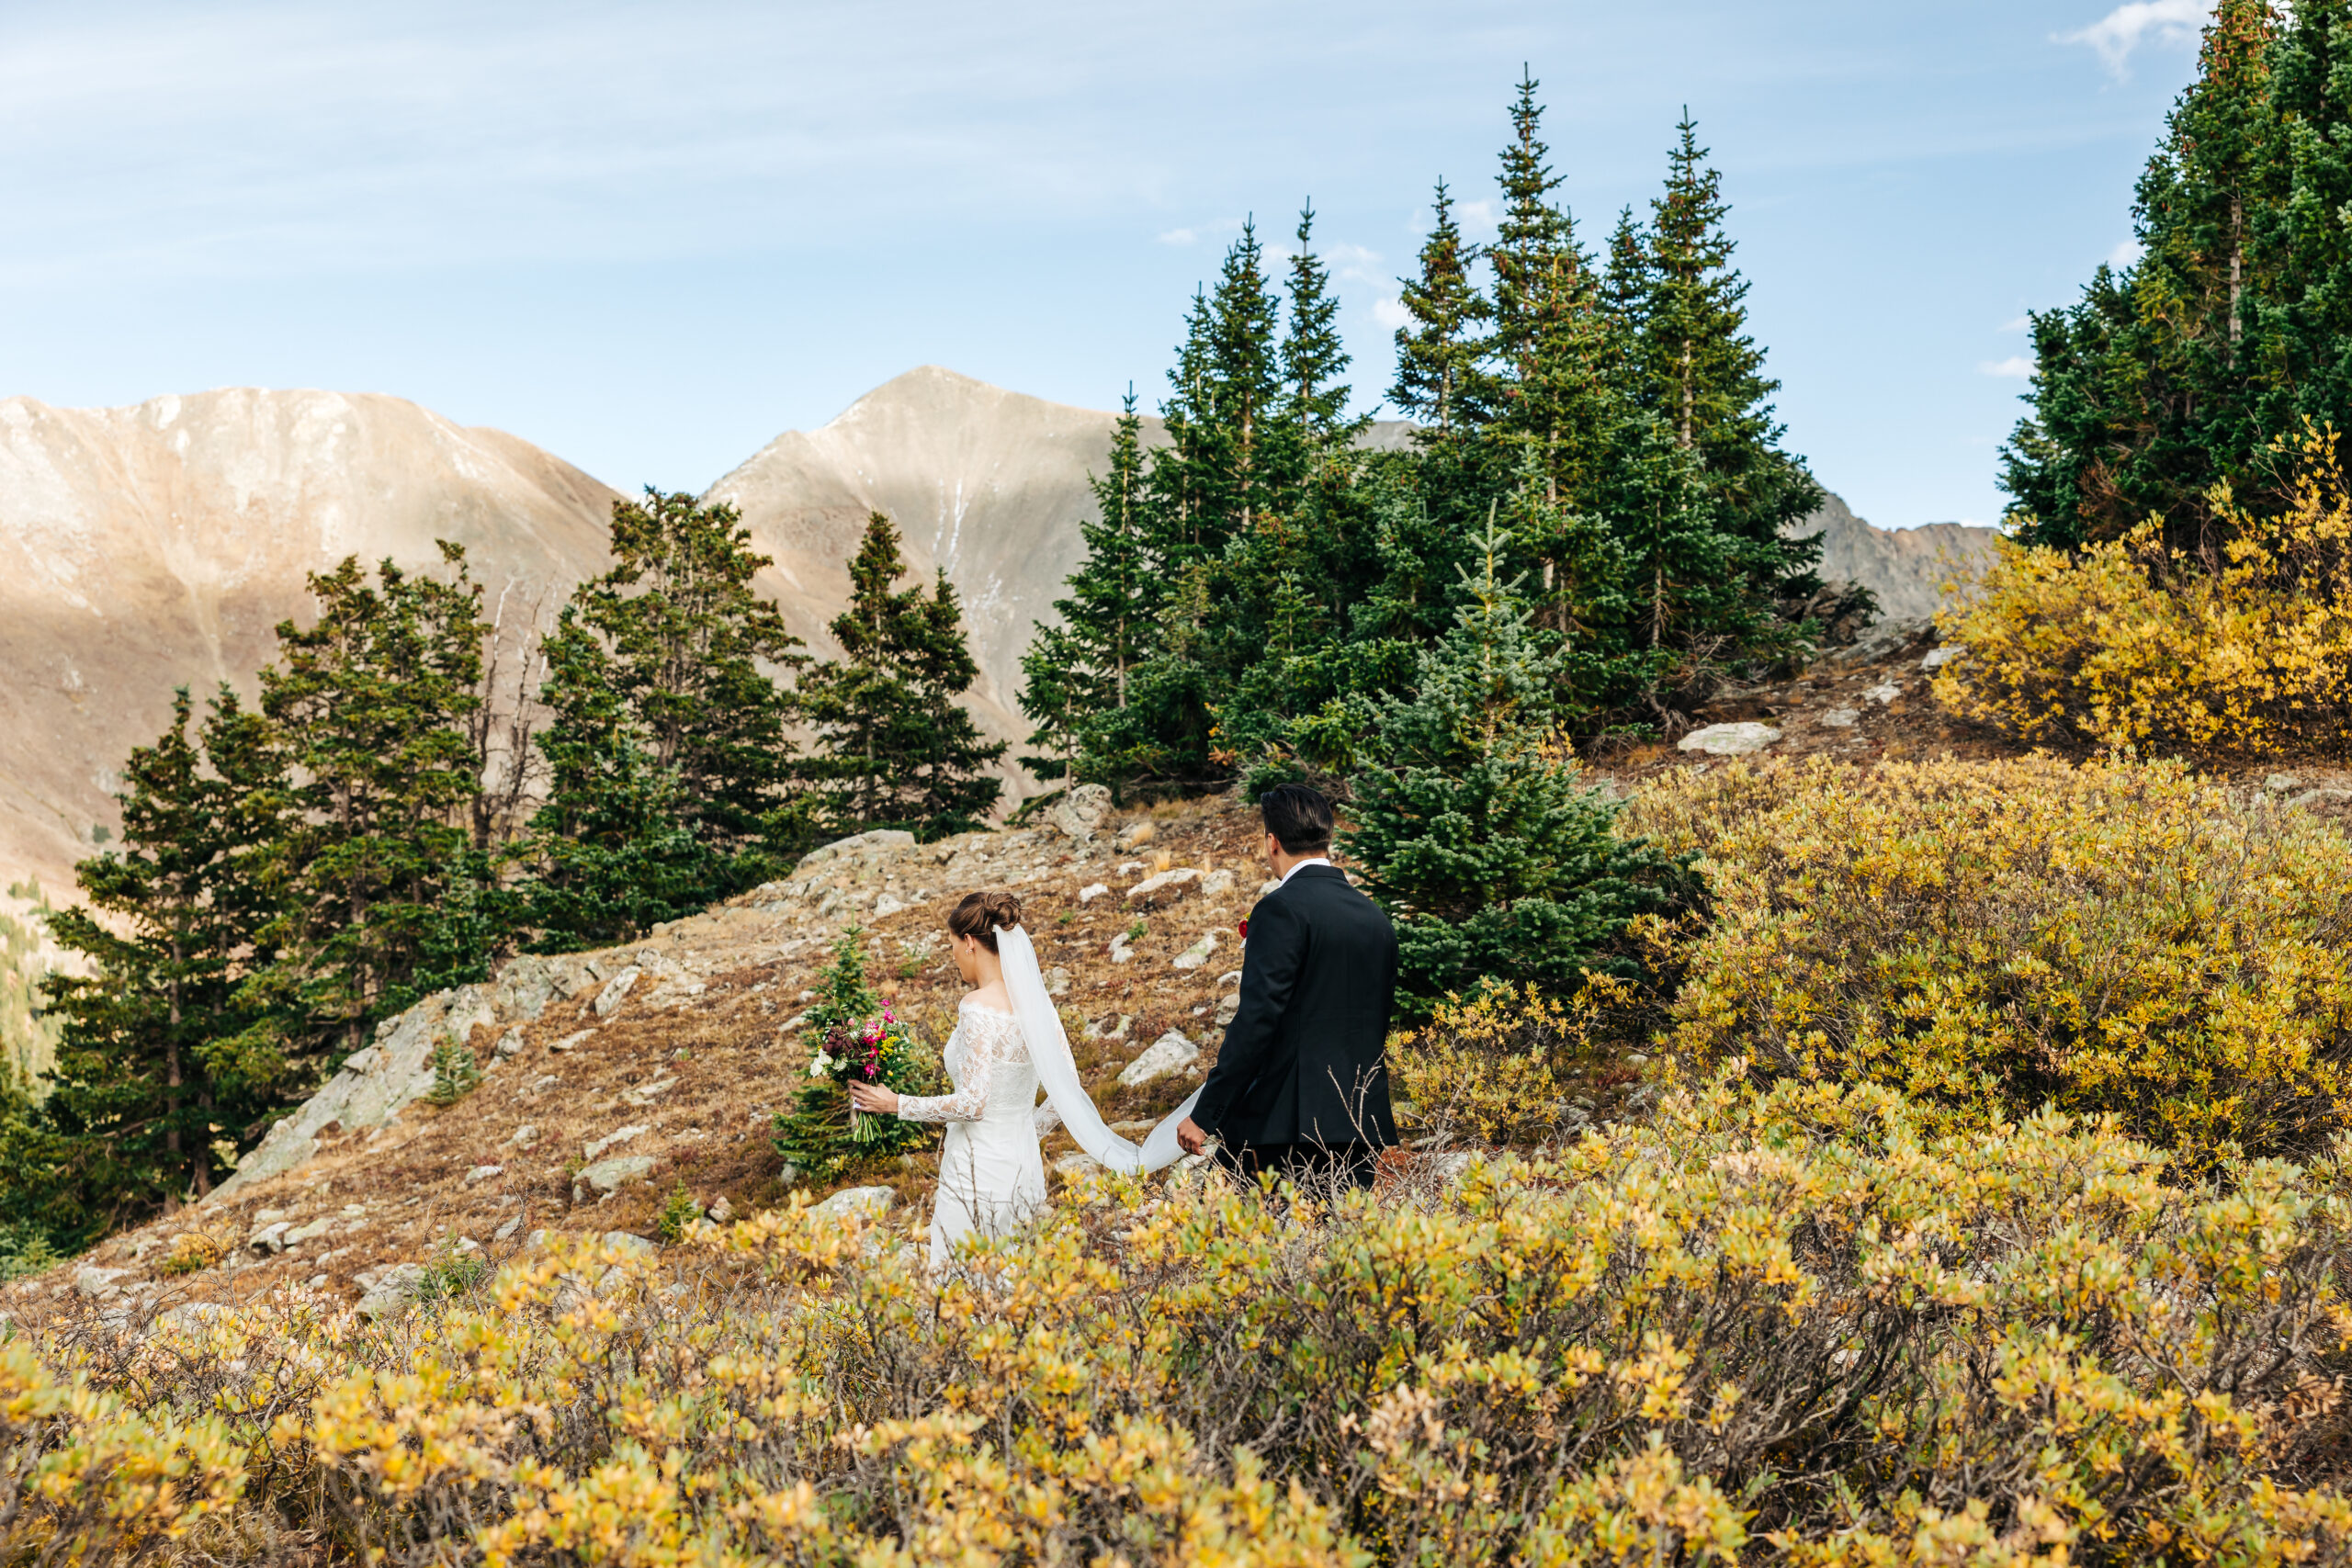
(989, 484)
(149, 546)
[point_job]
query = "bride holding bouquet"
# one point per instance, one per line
(1008, 1043)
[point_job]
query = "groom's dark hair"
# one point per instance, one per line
(1298, 818)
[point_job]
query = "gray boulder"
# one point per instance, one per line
(611, 1175)
(1171, 1053)
(1729, 739)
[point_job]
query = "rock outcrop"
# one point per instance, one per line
(1906, 568)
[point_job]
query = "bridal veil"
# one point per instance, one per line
(1041, 1029)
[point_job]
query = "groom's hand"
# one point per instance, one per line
(1190, 1137)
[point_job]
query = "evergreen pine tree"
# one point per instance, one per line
(689, 651)
(369, 704)
(2180, 371)
(1473, 828)
(1698, 371)
(151, 1064)
(1437, 355)
(896, 749)
(614, 850)
(1077, 671)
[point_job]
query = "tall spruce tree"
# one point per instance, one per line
(1474, 829)
(896, 749)
(667, 741)
(2182, 371)
(694, 655)
(1698, 371)
(369, 704)
(156, 1060)
(1438, 354)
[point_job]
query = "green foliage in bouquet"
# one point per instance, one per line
(860, 1040)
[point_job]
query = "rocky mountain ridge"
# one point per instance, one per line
(150, 546)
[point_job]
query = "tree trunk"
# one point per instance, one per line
(2237, 274)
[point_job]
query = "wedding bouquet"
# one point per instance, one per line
(879, 1051)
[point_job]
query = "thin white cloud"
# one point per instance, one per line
(1179, 237)
(1389, 311)
(2119, 35)
(2126, 254)
(2018, 325)
(2017, 367)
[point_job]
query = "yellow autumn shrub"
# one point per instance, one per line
(1500, 1067)
(1988, 938)
(1794, 1324)
(2236, 655)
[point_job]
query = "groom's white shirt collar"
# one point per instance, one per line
(1301, 865)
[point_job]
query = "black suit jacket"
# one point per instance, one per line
(1302, 1060)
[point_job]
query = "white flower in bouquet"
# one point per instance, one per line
(817, 1068)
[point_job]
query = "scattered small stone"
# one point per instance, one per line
(270, 1238)
(1936, 658)
(1077, 1162)
(1079, 815)
(1230, 977)
(722, 1211)
(391, 1291)
(541, 1084)
(1883, 694)
(509, 1229)
(96, 1282)
(2280, 784)
(1216, 885)
(510, 1042)
(644, 1094)
(569, 1041)
(1098, 1029)
(1120, 952)
(1056, 981)
(1158, 880)
(1228, 1008)
(1171, 1053)
(608, 1176)
(1840, 719)
(1729, 739)
(590, 1151)
(482, 1173)
(1092, 891)
(870, 1202)
(887, 904)
(637, 1246)
(1197, 955)
(616, 991)
(1135, 836)
(525, 1136)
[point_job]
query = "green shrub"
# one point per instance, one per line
(1989, 938)
(455, 1073)
(679, 1211)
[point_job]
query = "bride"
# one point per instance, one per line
(1008, 1043)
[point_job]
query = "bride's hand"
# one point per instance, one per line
(873, 1097)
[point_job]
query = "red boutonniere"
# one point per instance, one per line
(1244, 929)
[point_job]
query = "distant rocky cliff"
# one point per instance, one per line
(1906, 568)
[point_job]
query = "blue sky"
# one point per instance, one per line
(651, 236)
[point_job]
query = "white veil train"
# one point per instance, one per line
(1041, 1030)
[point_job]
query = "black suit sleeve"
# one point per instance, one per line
(1272, 954)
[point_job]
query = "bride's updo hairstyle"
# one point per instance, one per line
(982, 915)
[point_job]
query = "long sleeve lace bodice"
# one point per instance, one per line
(985, 1039)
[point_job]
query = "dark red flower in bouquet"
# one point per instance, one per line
(1244, 929)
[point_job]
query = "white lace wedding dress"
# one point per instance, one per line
(991, 1175)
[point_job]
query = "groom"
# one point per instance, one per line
(1300, 1087)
